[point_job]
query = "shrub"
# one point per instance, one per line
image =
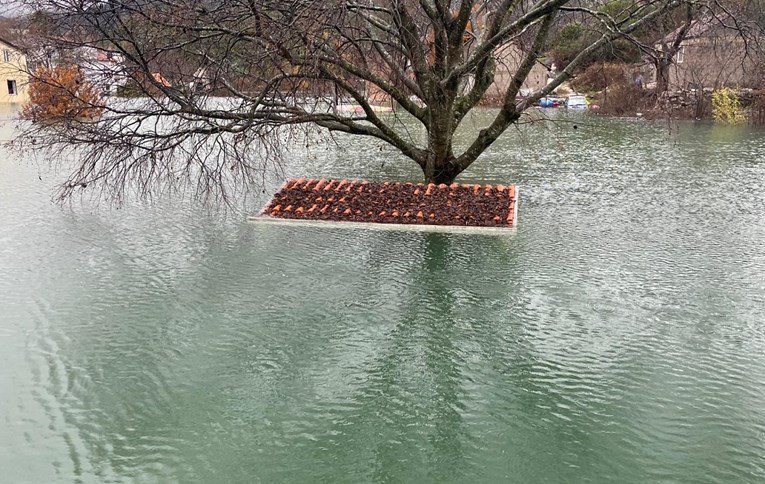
(757, 110)
(600, 76)
(726, 106)
(624, 99)
(61, 93)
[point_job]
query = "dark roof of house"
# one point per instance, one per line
(395, 203)
(707, 26)
(9, 44)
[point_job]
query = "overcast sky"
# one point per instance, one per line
(10, 7)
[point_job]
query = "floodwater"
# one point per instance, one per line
(617, 336)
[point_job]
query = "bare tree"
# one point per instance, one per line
(215, 84)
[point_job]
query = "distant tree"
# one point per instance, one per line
(61, 94)
(219, 82)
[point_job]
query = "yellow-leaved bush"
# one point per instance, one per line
(726, 106)
(61, 93)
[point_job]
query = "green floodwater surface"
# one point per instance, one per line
(617, 336)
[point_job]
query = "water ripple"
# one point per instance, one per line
(616, 336)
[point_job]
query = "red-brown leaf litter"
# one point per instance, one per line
(395, 202)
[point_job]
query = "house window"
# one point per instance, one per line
(680, 56)
(6, 55)
(12, 90)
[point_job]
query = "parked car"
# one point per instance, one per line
(550, 102)
(576, 101)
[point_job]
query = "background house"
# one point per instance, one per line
(712, 56)
(508, 59)
(13, 74)
(105, 70)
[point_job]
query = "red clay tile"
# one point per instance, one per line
(395, 202)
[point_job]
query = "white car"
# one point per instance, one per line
(576, 102)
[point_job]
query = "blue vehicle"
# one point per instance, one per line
(549, 102)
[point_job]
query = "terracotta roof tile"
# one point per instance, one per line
(401, 203)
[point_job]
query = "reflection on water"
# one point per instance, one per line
(616, 336)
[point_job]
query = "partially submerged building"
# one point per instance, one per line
(13, 74)
(713, 54)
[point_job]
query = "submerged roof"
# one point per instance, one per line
(395, 203)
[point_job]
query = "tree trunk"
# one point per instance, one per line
(440, 171)
(662, 75)
(440, 165)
